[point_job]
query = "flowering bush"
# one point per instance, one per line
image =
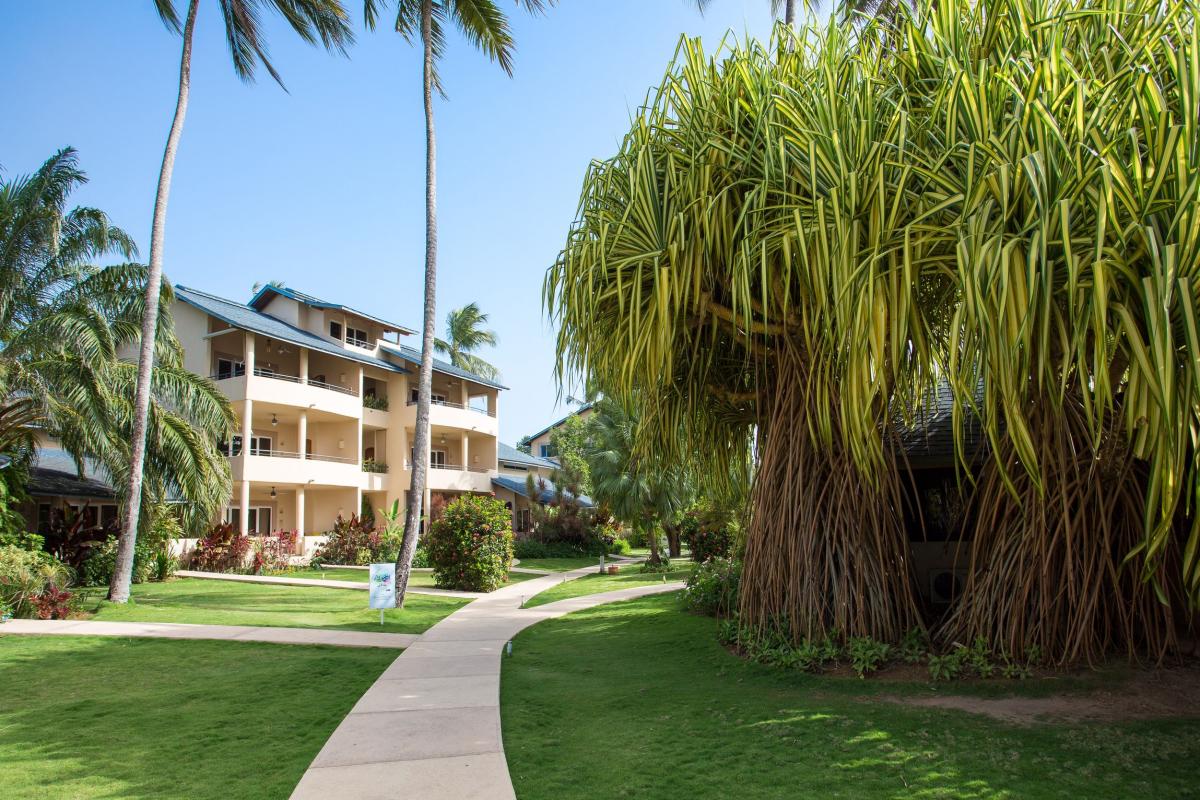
(712, 588)
(53, 603)
(272, 552)
(352, 541)
(707, 535)
(471, 546)
(223, 549)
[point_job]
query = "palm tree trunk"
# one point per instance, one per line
(789, 12)
(416, 492)
(118, 590)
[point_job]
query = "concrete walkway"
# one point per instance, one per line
(430, 725)
(283, 580)
(176, 630)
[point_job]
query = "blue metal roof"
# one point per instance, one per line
(547, 495)
(414, 355)
(514, 456)
(258, 302)
(247, 318)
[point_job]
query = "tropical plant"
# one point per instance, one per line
(471, 546)
(223, 549)
(464, 335)
(311, 20)
(486, 28)
(639, 489)
(800, 241)
(27, 577)
(63, 322)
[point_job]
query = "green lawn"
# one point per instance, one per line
(214, 602)
(98, 717)
(632, 575)
(560, 564)
(645, 687)
(422, 579)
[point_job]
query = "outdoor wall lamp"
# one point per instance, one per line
(273, 492)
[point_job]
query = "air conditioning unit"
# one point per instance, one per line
(946, 584)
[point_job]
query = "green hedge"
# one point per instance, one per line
(471, 546)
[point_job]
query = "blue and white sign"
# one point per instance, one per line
(383, 586)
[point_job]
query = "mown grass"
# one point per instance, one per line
(560, 564)
(644, 688)
(422, 579)
(215, 602)
(629, 576)
(84, 718)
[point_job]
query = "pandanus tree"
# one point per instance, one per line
(486, 27)
(63, 323)
(312, 20)
(805, 240)
(756, 252)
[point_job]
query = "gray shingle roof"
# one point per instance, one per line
(445, 367)
(258, 302)
(929, 442)
(556, 423)
(54, 475)
(547, 495)
(512, 455)
(247, 318)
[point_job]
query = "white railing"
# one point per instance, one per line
(333, 387)
(259, 451)
(463, 406)
(279, 376)
(451, 467)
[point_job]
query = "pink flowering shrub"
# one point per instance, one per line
(471, 546)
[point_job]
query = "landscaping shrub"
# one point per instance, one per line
(34, 584)
(471, 546)
(708, 534)
(662, 565)
(712, 588)
(532, 548)
(223, 549)
(620, 547)
(352, 541)
(272, 552)
(421, 556)
(98, 569)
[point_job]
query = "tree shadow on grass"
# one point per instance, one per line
(92, 717)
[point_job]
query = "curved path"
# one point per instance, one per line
(430, 725)
(327, 583)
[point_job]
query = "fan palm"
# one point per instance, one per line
(486, 27)
(464, 334)
(325, 20)
(63, 322)
(627, 479)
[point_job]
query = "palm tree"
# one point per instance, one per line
(788, 6)
(63, 322)
(464, 334)
(312, 20)
(486, 27)
(638, 488)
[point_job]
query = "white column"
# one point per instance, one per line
(300, 515)
(466, 458)
(248, 357)
(244, 522)
(303, 431)
(303, 365)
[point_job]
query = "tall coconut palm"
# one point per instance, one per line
(325, 20)
(787, 6)
(486, 27)
(63, 322)
(465, 334)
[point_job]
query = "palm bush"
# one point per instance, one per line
(26, 576)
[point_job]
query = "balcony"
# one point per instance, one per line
(454, 415)
(276, 387)
(455, 478)
(282, 467)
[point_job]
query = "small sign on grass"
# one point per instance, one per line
(383, 587)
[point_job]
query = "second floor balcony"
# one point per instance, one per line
(272, 386)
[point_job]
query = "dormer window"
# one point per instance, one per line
(357, 336)
(335, 330)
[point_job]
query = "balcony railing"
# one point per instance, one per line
(451, 467)
(375, 401)
(280, 376)
(360, 343)
(463, 406)
(371, 465)
(260, 451)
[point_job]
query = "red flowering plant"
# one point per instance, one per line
(223, 549)
(272, 552)
(353, 541)
(53, 603)
(708, 534)
(471, 546)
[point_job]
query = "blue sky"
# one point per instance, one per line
(322, 186)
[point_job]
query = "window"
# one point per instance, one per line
(234, 449)
(96, 516)
(437, 459)
(43, 519)
(230, 368)
(260, 445)
(438, 399)
(524, 520)
(547, 451)
(357, 336)
(335, 330)
(258, 516)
